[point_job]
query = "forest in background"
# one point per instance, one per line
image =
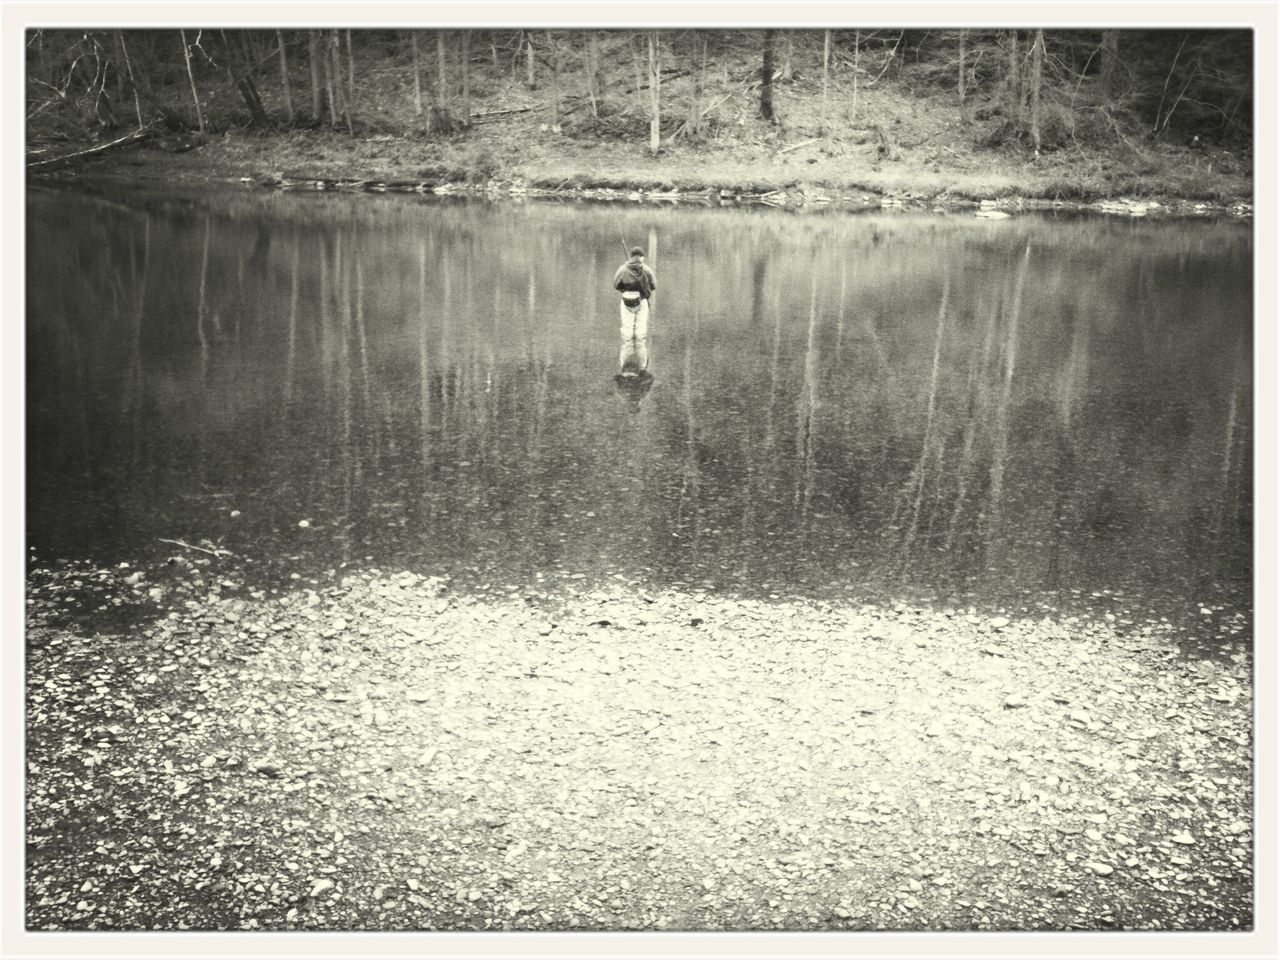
(1094, 112)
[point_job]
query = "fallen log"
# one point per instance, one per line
(482, 117)
(797, 146)
(217, 552)
(136, 136)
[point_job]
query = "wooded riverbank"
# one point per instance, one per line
(911, 116)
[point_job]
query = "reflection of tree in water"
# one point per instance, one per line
(370, 349)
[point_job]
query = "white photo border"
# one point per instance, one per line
(1261, 17)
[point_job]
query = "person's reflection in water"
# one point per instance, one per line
(633, 378)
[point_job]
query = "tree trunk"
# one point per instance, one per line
(857, 51)
(655, 101)
(1014, 101)
(333, 77)
(694, 125)
(195, 97)
(417, 73)
(637, 62)
(284, 75)
(351, 87)
(238, 68)
(117, 63)
(1110, 62)
(442, 72)
(766, 78)
(553, 62)
(826, 67)
(786, 57)
(1037, 65)
(528, 59)
(317, 87)
(964, 36)
(128, 67)
(136, 85)
(1160, 124)
(466, 78)
(593, 72)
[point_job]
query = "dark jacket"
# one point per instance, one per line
(634, 275)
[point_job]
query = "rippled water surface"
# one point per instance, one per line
(1026, 412)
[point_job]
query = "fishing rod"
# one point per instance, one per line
(625, 248)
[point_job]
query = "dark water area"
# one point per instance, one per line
(1035, 412)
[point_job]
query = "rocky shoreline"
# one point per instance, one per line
(796, 197)
(386, 753)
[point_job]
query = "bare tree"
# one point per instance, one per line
(466, 77)
(857, 51)
(693, 125)
(284, 75)
(551, 46)
(1110, 63)
(317, 84)
(442, 73)
(240, 69)
(593, 71)
(1013, 101)
(766, 77)
(417, 73)
(351, 87)
(1037, 67)
(655, 102)
(195, 97)
(128, 71)
(826, 67)
(338, 91)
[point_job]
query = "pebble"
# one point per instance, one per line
(1101, 869)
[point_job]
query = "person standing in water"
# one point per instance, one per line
(634, 276)
(635, 281)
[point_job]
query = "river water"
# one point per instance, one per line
(1036, 413)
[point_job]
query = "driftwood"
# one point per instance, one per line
(482, 117)
(191, 546)
(134, 137)
(797, 146)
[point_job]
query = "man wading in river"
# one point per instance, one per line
(636, 283)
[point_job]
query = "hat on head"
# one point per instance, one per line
(636, 252)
